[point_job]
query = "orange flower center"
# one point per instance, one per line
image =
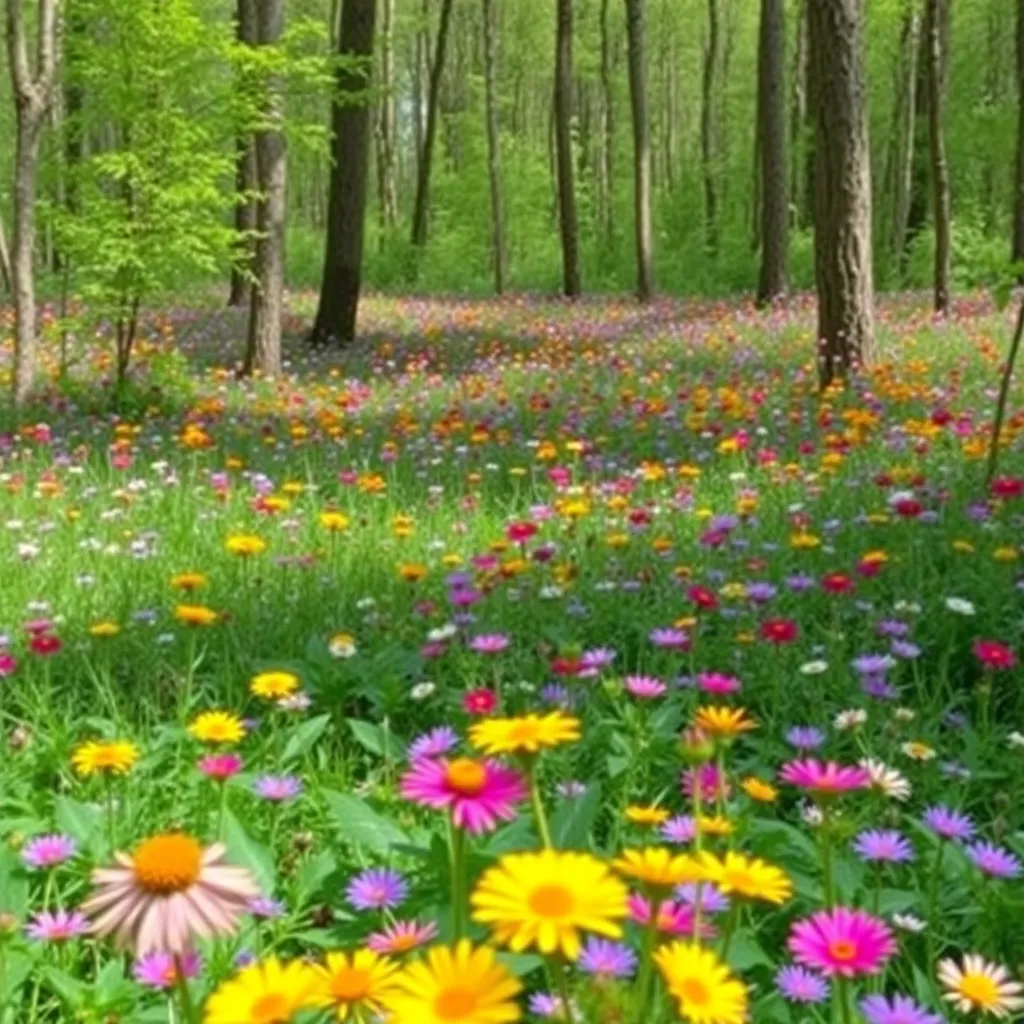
(980, 990)
(271, 1008)
(168, 864)
(455, 1004)
(523, 733)
(740, 880)
(403, 943)
(350, 984)
(551, 901)
(842, 950)
(694, 992)
(466, 776)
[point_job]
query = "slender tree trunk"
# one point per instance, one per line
(265, 314)
(33, 91)
(936, 25)
(1017, 252)
(563, 146)
(709, 127)
(798, 118)
(420, 210)
(641, 151)
(771, 108)
(386, 124)
(420, 51)
(350, 149)
(6, 280)
(842, 180)
(245, 176)
(490, 28)
(903, 131)
(607, 122)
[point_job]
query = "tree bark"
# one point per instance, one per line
(1017, 252)
(936, 26)
(245, 176)
(771, 109)
(350, 150)
(420, 50)
(388, 192)
(798, 118)
(709, 127)
(563, 146)
(607, 123)
(842, 180)
(420, 210)
(903, 131)
(490, 30)
(643, 230)
(265, 313)
(33, 91)
(5, 260)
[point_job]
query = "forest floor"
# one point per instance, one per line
(292, 616)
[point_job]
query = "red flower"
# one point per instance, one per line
(909, 508)
(8, 665)
(567, 665)
(870, 567)
(520, 533)
(702, 598)
(45, 643)
(837, 583)
(779, 631)
(1008, 486)
(480, 701)
(994, 655)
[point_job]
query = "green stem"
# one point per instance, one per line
(698, 845)
(562, 983)
(111, 834)
(731, 927)
(221, 810)
(188, 1010)
(933, 902)
(647, 967)
(537, 803)
(457, 840)
(842, 997)
(828, 882)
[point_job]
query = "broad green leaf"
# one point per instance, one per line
(521, 964)
(301, 741)
(573, 820)
(376, 739)
(361, 825)
(247, 852)
(82, 821)
(746, 952)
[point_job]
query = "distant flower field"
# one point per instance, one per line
(526, 661)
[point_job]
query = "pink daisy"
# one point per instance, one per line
(402, 937)
(825, 778)
(718, 683)
(842, 941)
(160, 971)
(48, 851)
(645, 687)
(220, 767)
(57, 926)
(478, 793)
(674, 918)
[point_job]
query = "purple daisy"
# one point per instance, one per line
(712, 900)
(57, 925)
(799, 985)
(896, 1010)
(993, 860)
(435, 743)
(674, 639)
(48, 851)
(543, 1004)
(607, 959)
(266, 907)
(883, 845)
(600, 657)
(489, 643)
(277, 788)
(158, 970)
(377, 889)
(805, 737)
(681, 829)
(873, 664)
(947, 823)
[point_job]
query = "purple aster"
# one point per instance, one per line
(993, 860)
(435, 743)
(158, 970)
(805, 737)
(883, 845)
(677, 639)
(57, 926)
(892, 628)
(873, 664)
(265, 907)
(682, 829)
(947, 823)
(760, 593)
(800, 582)
(48, 851)
(277, 788)
(543, 1004)
(556, 695)
(712, 900)
(879, 687)
(377, 889)
(607, 959)
(600, 657)
(896, 1010)
(799, 985)
(489, 643)
(905, 649)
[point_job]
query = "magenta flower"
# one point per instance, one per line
(673, 918)
(645, 687)
(220, 767)
(825, 779)
(377, 889)
(48, 851)
(479, 794)
(401, 937)
(57, 926)
(712, 782)
(8, 665)
(277, 788)
(718, 683)
(842, 941)
(489, 643)
(158, 970)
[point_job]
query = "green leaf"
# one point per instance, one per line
(521, 964)
(314, 871)
(18, 967)
(301, 741)
(81, 821)
(68, 988)
(573, 820)
(746, 952)
(13, 887)
(248, 852)
(361, 825)
(376, 739)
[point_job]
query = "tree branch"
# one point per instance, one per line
(21, 76)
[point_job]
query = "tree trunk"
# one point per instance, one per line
(350, 149)
(1017, 253)
(936, 27)
(33, 93)
(264, 342)
(419, 58)
(563, 146)
(5, 260)
(490, 28)
(842, 180)
(419, 216)
(386, 124)
(771, 110)
(641, 151)
(709, 127)
(607, 123)
(245, 176)
(903, 131)
(798, 118)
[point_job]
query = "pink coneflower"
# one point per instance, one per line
(166, 892)
(674, 918)
(57, 926)
(645, 687)
(718, 683)
(489, 643)
(825, 778)
(161, 971)
(48, 851)
(478, 793)
(842, 941)
(220, 767)
(402, 937)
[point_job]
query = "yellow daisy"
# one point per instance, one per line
(723, 722)
(101, 756)
(546, 899)
(334, 522)
(657, 867)
(759, 790)
(217, 727)
(245, 545)
(464, 985)
(639, 815)
(745, 876)
(269, 992)
(715, 825)
(526, 734)
(195, 615)
(104, 629)
(705, 989)
(357, 982)
(188, 581)
(273, 685)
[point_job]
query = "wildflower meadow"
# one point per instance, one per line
(523, 661)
